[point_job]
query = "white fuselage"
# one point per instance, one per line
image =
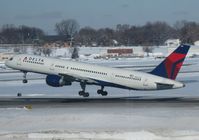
(92, 74)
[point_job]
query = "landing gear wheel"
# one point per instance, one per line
(86, 94)
(81, 93)
(104, 93)
(25, 81)
(99, 91)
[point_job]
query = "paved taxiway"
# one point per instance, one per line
(7, 101)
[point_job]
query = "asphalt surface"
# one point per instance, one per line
(139, 101)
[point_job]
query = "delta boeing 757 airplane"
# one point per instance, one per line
(63, 73)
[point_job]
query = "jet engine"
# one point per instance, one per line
(56, 81)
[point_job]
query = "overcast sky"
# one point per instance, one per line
(96, 13)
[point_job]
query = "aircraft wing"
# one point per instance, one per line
(19, 79)
(77, 78)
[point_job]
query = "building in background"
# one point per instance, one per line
(120, 51)
(5, 56)
(196, 43)
(172, 42)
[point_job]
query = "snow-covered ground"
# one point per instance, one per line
(102, 120)
(167, 119)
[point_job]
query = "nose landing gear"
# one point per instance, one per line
(24, 78)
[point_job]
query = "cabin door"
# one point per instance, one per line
(19, 62)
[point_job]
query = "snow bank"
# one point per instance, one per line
(94, 135)
(143, 135)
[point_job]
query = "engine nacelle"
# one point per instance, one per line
(56, 81)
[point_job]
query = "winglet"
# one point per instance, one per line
(170, 67)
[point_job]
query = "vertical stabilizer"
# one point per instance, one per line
(170, 67)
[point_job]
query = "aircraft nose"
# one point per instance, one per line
(6, 63)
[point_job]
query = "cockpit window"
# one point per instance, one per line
(11, 59)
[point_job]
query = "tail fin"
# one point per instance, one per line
(170, 67)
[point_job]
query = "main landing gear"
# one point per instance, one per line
(102, 92)
(86, 94)
(24, 78)
(83, 93)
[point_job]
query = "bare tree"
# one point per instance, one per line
(10, 33)
(105, 36)
(189, 33)
(47, 51)
(148, 50)
(74, 52)
(87, 36)
(67, 27)
(37, 50)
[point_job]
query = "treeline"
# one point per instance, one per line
(10, 34)
(155, 33)
(149, 34)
